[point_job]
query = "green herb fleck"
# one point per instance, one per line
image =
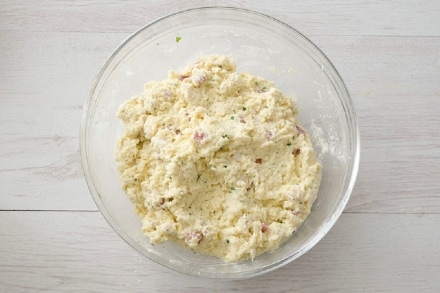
(169, 177)
(178, 38)
(232, 118)
(232, 188)
(190, 214)
(157, 44)
(225, 136)
(289, 143)
(227, 241)
(198, 177)
(244, 108)
(225, 166)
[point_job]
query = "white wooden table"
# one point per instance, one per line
(53, 238)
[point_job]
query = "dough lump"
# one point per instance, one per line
(216, 160)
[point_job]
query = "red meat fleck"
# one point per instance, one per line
(259, 161)
(264, 227)
(269, 135)
(168, 93)
(296, 152)
(242, 120)
(199, 136)
(198, 236)
(295, 213)
(300, 129)
(182, 77)
(200, 79)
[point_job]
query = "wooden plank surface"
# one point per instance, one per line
(383, 85)
(381, 253)
(46, 78)
(52, 238)
(316, 17)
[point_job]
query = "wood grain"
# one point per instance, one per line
(395, 86)
(317, 17)
(47, 77)
(52, 238)
(384, 253)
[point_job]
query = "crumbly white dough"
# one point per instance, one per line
(217, 161)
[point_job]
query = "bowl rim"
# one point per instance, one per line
(352, 172)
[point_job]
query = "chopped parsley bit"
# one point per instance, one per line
(256, 83)
(289, 143)
(198, 177)
(225, 136)
(170, 178)
(225, 166)
(232, 117)
(157, 44)
(190, 214)
(178, 39)
(232, 188)
(135, 179)
(244, 108)
(227, 241)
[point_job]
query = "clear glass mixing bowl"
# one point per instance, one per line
(260, 45)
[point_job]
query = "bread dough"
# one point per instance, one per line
(216, 161)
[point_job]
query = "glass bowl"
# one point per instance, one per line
(260, 45)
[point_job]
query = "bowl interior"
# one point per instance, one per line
(259, 45)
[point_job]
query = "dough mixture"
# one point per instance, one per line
(216, 160)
